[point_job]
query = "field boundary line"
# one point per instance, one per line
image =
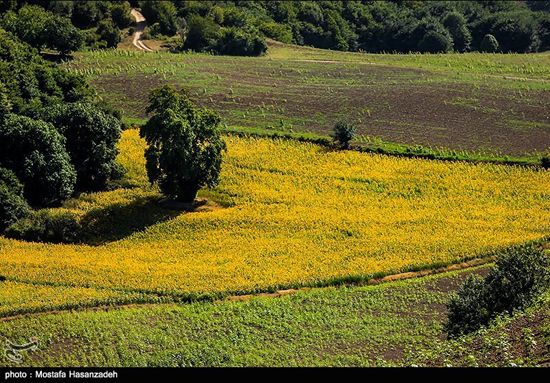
(246, 297)
(375, 281)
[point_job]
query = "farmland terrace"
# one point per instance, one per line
(489, 103)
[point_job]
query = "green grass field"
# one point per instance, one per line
(397, 324)
(482, 103)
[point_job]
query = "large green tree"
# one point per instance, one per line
(92, 136)
(185, 147)
(35, 151)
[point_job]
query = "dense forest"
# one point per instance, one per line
(240, 27)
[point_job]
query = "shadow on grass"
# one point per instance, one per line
(110, 223)
(119, 221)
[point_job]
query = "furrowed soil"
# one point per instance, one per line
(394, 101)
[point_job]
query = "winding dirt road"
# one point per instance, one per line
(141, 24)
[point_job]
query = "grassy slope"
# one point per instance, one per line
(397, 324)
(357, 326)
(454, 101)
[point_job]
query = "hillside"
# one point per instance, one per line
(488, 103)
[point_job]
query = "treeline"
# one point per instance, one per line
(240, 27)
(380, 26)
(66, 26)
(56, 137)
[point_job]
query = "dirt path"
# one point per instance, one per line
(465, 266)
(141, 24)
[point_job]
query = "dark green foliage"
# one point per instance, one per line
(35, 151)
(519, 277)
(455, 23)
(539, 5)
(109, 32)
(489, 44)
(468, 309)
(434, 42)
(202, 34)
(161, 12)
(544, 30)
(372, 26)
(30, 83)
(91, 141)
(545, 161)
(43, 29)
(343, 133)
(85, 14)
(54, 226)
(12, 203)
(185, 147)
(121, 15)
(516, 32)
(237, 43)
(5, 104)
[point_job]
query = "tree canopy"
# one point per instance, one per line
(371, 26)
(185, 147)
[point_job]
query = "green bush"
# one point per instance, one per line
(237, 43)
(53, 226)
(35, 151)
(518, 278)
(43, 29)
(455, 23)
(282, 33)
(185, 146)
(31, 83)
(91, 142)
(435, 42)
(12, 204)
(109, 32)
(121, 14)
(489, 44)
(162, 12)
(202, 34)
(343, 133)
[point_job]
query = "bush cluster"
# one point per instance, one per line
(518, 278)
(55, 138)
(52, 226)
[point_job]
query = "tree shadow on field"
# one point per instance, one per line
(118, 221)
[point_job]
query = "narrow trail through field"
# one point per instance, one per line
(463, 267)
(141, 24)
